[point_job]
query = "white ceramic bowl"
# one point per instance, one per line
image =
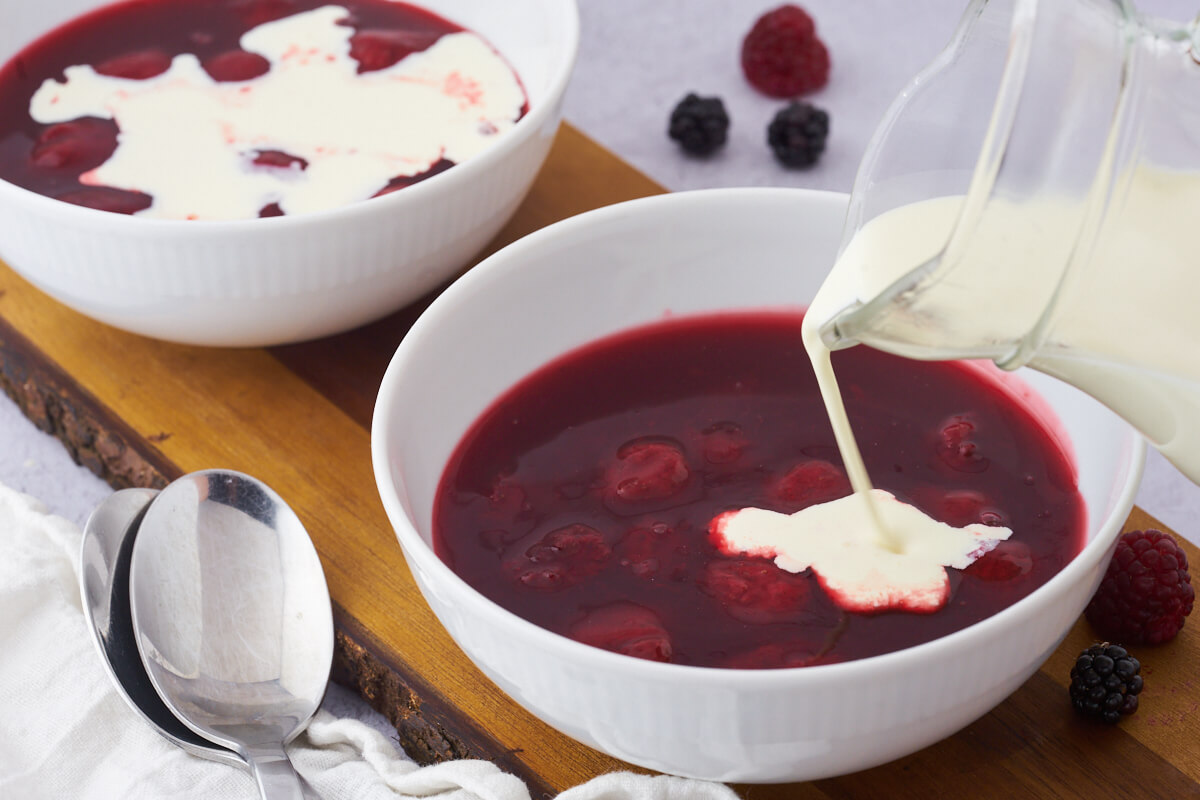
(631, 264)
(267, 281)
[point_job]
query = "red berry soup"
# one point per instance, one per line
(198, 109)
(582, 499)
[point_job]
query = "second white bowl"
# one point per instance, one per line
(267, 281)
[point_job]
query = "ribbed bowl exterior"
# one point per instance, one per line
(636, 262)
(269, 281)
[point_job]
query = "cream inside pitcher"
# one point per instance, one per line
(1033, 197)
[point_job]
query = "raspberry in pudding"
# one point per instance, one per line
(228, 109)
(583, 499)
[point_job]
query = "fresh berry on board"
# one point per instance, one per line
(797, 134)
(1105, 683)
(782, 56)
(1146, 593)
(699, 124)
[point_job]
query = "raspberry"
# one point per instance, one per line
(797, 134)
(1146, 593)
(380, 49)
(1105, 683)
(649, 470)
(136, 66)
(653, 552)
(104, 198)
(755, 590)
(1008, 561)
(723, 443)
(236, 65)
(809, 483)
(80, 144)
(507, 501)
(699, 124)
(278, 159)
(562, 558)
(782, 56)
(957, 449)
(958, 507)
(625, 628)
(498, 539)
(961, 508)
(775, 655)
(395, 184)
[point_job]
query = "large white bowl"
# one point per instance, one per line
(268, 281)
(630, 264)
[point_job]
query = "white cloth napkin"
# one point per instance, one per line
(66, 733)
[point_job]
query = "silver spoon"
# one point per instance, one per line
(232, 618)
(104, 583)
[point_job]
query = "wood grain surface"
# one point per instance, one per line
(140, 412)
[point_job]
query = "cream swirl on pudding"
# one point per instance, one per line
(838, 540)
(338, 132)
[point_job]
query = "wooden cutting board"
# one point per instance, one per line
(140, 412)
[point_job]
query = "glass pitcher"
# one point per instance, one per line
(1033, 197)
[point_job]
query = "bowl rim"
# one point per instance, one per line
(622, 666)
(527, 126)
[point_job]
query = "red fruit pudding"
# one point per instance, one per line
(582, 499)
(225, 109)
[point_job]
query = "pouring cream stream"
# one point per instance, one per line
(869, 551)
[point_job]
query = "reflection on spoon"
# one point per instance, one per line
(232, 617)
(105, 554)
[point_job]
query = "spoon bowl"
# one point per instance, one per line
(107, 545)
(232, 617)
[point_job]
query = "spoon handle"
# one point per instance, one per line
(277, 778)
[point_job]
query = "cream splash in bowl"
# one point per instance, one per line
(324, 261)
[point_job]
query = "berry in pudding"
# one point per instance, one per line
(228, 109)
(584, 499)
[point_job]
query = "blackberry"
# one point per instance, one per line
(699, 124)
(1105, 683)
(797, 134)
